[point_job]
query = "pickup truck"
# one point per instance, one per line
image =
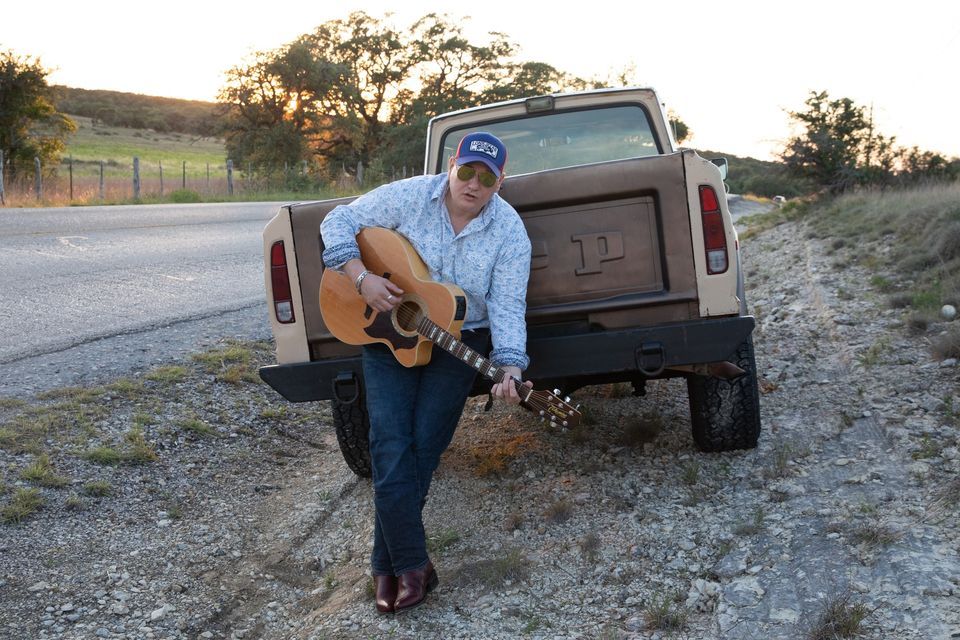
(635, 271)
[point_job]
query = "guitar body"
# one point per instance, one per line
(388, 254)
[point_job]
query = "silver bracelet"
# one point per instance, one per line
(359, 280)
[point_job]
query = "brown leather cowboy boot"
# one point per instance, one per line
(385, 589)
(414, 586)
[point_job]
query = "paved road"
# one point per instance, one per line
(106, 289)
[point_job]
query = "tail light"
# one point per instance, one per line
(280, 282)
(714, 236)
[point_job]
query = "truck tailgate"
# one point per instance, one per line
(608, 238)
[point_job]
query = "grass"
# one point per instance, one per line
(559, 511)
(118, 145)
(97, 488)
(921, 226)
(640, 430)
(874, 534)
(192, 169)
(23, 504)
(494, 459)
(512, 566)
(104, 455)
(874, 353)
(442, 540)
(841, 618)
(753, 526)
(947, 346)
(663, 613)
(41, 473)
(170, 374)
(233, 363)
(197, 427)
(691, 473)
(73, 412)
(138, 450)
(590, 546)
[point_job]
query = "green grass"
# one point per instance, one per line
(41, 473)
(198, 427)
(103, 455)
(97, 488)
(23, 504)
(118, 145)
(921, 226)
(664, 613)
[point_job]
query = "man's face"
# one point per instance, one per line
(471, 195)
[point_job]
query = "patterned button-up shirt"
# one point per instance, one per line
(489, 259)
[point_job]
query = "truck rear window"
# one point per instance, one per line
(566, 138)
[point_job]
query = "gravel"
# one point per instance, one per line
(255, 528)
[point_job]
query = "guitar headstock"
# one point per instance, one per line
(549, 406)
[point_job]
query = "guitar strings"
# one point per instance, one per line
(407, 317)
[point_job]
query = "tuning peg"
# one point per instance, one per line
(566, 399)
(565, 423)
(556, 392)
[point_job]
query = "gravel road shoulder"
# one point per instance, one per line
(254, 528)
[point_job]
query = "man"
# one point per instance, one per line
(469, 236)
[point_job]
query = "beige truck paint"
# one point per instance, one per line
(291, 338)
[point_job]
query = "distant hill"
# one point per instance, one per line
(136, 111)
(759, 177)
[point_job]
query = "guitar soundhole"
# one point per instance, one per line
(408, 314)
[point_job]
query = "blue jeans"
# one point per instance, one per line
(413, 414)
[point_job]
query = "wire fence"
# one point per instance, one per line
(83, 182)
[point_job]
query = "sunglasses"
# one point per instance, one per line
(466, 173)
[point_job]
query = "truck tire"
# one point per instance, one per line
(725, 414)
(352, 424)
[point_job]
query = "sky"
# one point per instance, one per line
(731, 70)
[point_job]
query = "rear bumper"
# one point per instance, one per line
(567, 362)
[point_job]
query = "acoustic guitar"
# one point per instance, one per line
(428, 313)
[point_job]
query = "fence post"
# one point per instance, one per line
(208, 177)
(101, 180)
(136, 178)
(183, 182)
(229, 177)
(360, 173)
(71, 177)
(38, 178)
(160, 164)
(2, 200)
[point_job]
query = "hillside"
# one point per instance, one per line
(136, 111)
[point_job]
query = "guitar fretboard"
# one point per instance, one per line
(429, 330)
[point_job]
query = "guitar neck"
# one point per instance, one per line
(445, 340)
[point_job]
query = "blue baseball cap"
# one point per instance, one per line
(483, 147)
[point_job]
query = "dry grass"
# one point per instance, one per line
(640, 430)
(841, 618)
(495, 459)
(921, 225)
(559, 511)
(664, 613)
(948, 345)
(512, 566)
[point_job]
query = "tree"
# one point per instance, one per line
(30, 126)
(838, 148)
